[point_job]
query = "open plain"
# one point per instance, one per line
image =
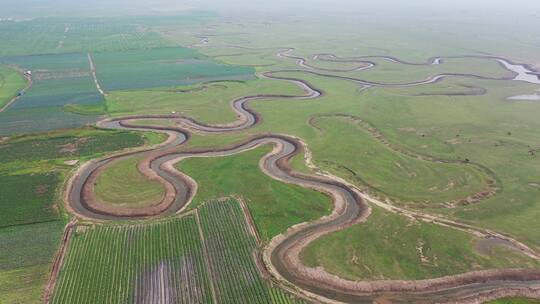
(216, 156)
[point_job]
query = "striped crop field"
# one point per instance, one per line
(135, 264)
(207, 256)
(231, 251)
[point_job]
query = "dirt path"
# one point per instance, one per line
(281, 256)
(94, 76)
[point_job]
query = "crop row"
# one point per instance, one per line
(231, 250)
(63, 145)
(206, 257)
(135, 264)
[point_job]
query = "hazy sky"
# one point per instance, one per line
(34, 8)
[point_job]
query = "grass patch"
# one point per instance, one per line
(80, 143)
(358, 156)
(210, 102)
(389, 246)
(122, 185)
(82, 109)
(275, 206)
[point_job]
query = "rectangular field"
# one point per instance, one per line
(162, 67)
(197, 258)
(57, 80)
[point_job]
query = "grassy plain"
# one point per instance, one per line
(210, 103)
(487, 129)
(70, 35)
(274, 206)
(389, 246)
(122, 185)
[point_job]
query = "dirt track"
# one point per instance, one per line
(282, 254)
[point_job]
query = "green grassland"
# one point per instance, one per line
(11, 82)
(145, 54)
(188, 257)
(122, 185)
(389, 246)
(395, 175)
(448, 116)
(210, 104)
(488, 129)
(274, 206)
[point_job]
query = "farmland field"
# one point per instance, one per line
(149, 259)
(25, 260)
(32, 172)
(11, 82)
(269, 152)
(161, 67)
(58, 80)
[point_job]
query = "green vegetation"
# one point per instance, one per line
(137, 69)
(122, 185)
(28, 198)
(57, 80)
(84, 109)
(390, 246)
(146, 66)
(231, 250)
(78, 143)
(32, 171)
(25, 258)
(373, 165)
(116, 264)
(209, 103)
(129, 263)
(275, 206)
(32, 168)
(38, 119)
(11, 82)
(70, 35)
